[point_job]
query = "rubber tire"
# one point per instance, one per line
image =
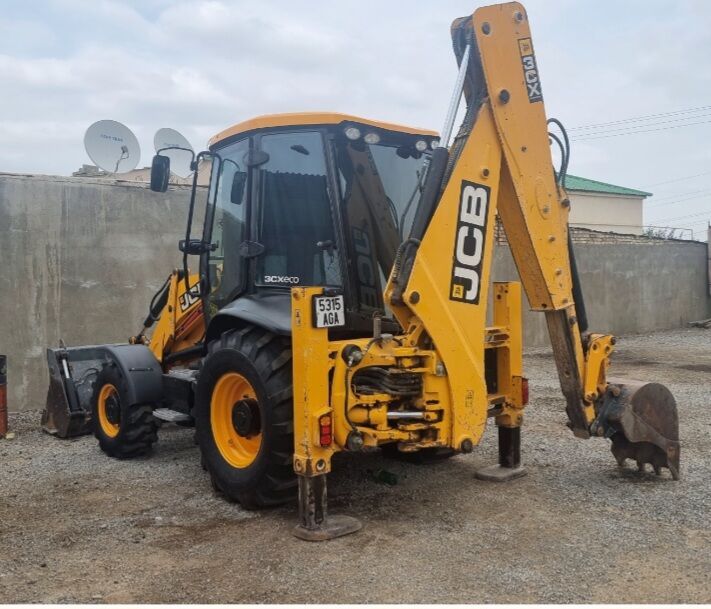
(264, 359)
(424, 456)
(138, 430)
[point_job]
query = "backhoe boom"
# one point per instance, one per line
(436, 384)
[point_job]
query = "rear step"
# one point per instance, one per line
(171, 416)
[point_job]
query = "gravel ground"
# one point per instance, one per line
(76, 526)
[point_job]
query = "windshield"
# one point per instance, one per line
(380, 189)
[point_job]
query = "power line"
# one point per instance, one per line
(636, 119)
(694, 215)
(665, 203)
(691, 226)
(633, 128)
(700, 222)
(598, 137)
(678, 179)
(680, 194)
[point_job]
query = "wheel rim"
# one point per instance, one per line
(108, 408)
(230, 390)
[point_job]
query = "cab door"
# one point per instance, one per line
(226, 226)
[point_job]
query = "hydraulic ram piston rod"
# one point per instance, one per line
(456, 98)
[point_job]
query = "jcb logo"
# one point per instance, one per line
(530, 70)
(188, 299)
(469, 244)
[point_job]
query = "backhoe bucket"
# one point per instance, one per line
(71, 377)
(642, 421)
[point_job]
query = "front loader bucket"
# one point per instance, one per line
(71, 377)
(642, 421)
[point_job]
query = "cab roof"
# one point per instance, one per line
(298, 119)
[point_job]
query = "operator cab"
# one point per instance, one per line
(307, 200)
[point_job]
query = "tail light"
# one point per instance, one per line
(524, 391)
(325, 430)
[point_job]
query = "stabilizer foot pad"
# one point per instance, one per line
(497, 473)
(332, 527)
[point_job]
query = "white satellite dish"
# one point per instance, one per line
(112, 146)
(179, 159)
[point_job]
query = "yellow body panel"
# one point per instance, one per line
(311, 388)
(298, 119)
(323, 385)
(457, 328)
(182, 323)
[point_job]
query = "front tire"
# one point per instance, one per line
(244, 417)
(123, 430)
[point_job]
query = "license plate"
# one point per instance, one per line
(329, 311)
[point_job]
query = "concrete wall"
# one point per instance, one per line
(629, 287)
(81, 258)
(601, 212)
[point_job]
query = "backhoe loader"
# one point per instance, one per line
(341, 297)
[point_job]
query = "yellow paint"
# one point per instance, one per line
(298, 119)
(311, 366)
(442, 418)
(596, 364)
(181, 324)
(531, 209)
(238, 451)
(107, 427)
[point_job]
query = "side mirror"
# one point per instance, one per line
(239, 181)
(160, 173)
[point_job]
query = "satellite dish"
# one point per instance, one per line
(180, 160)
(112, 146)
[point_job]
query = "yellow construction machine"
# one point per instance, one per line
(341, 297)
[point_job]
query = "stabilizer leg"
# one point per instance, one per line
(509, 466)
(315, 523)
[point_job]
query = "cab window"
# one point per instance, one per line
(226, 265)
(295, 225)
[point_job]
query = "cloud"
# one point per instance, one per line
(199, 66)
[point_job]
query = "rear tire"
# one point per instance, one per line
(123, 430)
(244, 417)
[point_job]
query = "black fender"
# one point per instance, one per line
(140, 369)
(271, 311)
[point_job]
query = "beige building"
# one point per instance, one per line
(605, 207)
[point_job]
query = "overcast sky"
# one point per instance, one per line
(200, 66)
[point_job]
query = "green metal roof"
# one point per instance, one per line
(585, 185)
